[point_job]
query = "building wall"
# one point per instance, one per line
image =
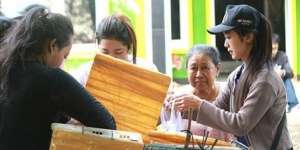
(297, 50)
(135, 10)
(201, 21)
(199, 14)
(292, 11)
(158, 35)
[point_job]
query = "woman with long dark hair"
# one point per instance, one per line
(34, 92)
(5, 24)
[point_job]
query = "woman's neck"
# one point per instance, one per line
(209, 94)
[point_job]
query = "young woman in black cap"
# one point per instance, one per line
(252, 105)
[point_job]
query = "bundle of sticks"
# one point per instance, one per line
(180, 138)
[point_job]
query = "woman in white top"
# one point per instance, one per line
(115, 37)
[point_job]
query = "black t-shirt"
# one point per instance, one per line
(38, 96)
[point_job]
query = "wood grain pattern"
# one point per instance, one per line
(70, 137)
(179, 138)
(133, 95)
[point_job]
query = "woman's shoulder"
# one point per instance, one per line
(52, 75)
(146, 64)
(281, 54)
(268, 76)
(35, 72)
(37, 69)
(280, 58)
(55, 74)
(266, 73)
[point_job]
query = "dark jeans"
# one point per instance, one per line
(290, 92)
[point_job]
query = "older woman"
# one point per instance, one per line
(203, 65)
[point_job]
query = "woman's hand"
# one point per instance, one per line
(168, 101)
(74, 122)
(279, 71)
(185, 101)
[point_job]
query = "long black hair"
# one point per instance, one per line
(5, 24)
(260, 55)
(118, 27)
(27, 40)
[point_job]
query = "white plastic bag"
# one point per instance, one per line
(171, 121)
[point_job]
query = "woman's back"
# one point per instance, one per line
(28, 111)
(40, 96)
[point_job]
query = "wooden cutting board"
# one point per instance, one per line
(133, 95)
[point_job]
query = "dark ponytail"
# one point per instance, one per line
(260, 55)
(5, 24)
(28, 38)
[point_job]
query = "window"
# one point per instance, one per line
(175, 19)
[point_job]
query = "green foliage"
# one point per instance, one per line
(75, 62)
(117, 6)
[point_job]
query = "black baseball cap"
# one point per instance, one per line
(236, 16)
